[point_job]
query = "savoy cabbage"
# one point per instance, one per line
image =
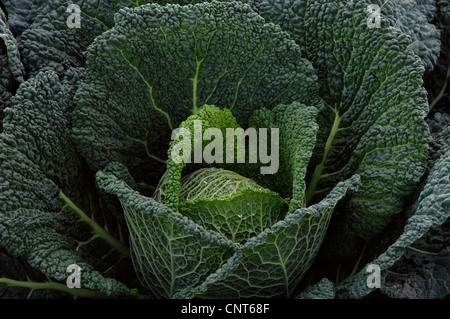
(88, 174)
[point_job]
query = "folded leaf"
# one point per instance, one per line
(167, 247)
(170, 252)
(273, 263)
(297, 125)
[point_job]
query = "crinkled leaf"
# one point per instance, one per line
(425, 273)
(208, 117)
(159, 64)
(377, 129)
(8, 47)
(374, 123)
(36, 144)
(297, 127)
(422, 273)
(50, 42)
(36, 147)
(19, 15)
(433, 209)
(324, 289)
(48, 241)
(11, 68)
(414, 18)
(17, 268)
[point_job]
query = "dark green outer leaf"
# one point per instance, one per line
(35, 146)
(50, 44)
(9, 48)
(414, 18)
(375, 84)
(19, 269)
(11, 68)
(159, 64)
(19, 15)
(433, 209)
(423, 273)
(324, 289)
